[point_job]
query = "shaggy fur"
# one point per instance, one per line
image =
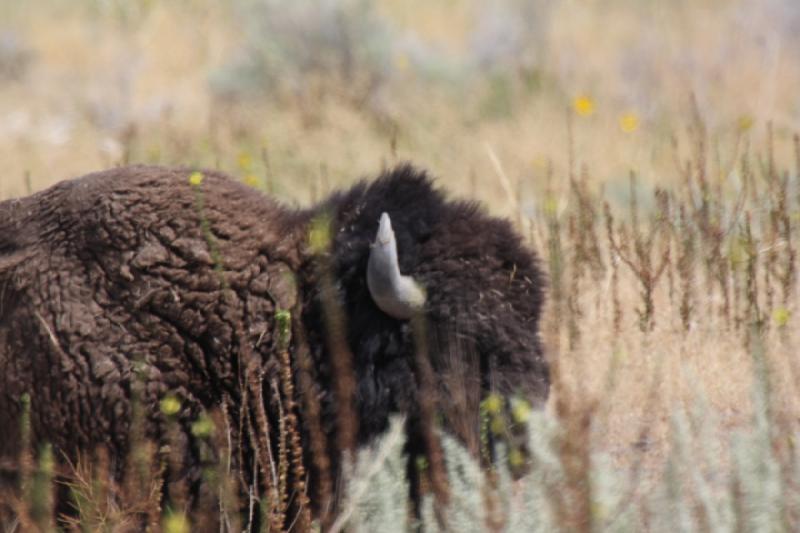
(484, 299)
(109, 289)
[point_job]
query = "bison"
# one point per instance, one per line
(144, 283)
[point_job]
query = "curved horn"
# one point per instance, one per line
(397, 295)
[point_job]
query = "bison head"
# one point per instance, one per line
(400, 249)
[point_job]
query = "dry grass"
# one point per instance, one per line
(111, 84)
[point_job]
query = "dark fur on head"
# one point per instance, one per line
(484, 299)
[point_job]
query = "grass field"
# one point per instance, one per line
(648, 151)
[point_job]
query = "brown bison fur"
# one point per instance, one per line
(134, 283)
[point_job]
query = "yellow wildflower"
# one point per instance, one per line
(203, 427)
(583, 105)
(629, 122)
(196, 178)
(245, 161)
(251, 180)
(492, 404)
(170, 405)
(744, 123)
(497, 425)
(176, 523)
(550, 206)
(520, 410)
(781, 316)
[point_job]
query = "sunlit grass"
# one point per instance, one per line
(660, 363)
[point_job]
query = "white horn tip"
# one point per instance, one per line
(397, 295)
(385, 232)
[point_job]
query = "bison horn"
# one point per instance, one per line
(397, 295)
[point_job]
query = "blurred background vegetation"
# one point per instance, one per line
(325, 91)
